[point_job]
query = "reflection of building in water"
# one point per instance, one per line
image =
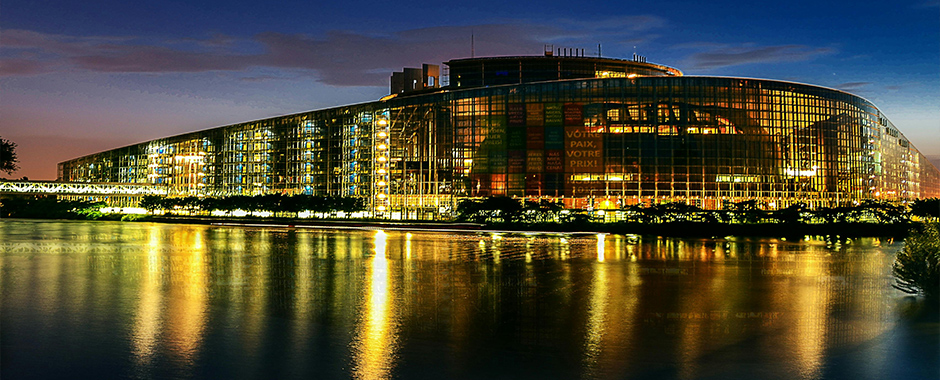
(186, 298)
(376, 342)
(590, 131)
(148, 321)
(190, 291)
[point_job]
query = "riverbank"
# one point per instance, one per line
(675, 229)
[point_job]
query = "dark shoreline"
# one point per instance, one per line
(791, 231)
(676, 229)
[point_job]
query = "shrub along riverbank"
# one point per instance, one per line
(750, 218)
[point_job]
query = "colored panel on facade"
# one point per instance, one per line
(533, 185)
(594, 110)
(554, 138)
(498, 162)
(535, 138)
(481, 163)
(517, 161)
(554, 161)
(496, 135)
(516, 114)
(583, 151)
(535, 161)
(587, 190)
(480, 185)
(516, 185)
(553, 115)
(535, 114)
(498, 184)
(573, 114)
(516, 138)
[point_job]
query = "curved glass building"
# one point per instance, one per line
(591, 132)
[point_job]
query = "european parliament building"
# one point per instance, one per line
(590, 132)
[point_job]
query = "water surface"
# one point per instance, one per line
(140, 300)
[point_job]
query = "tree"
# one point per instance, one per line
(926, 208)
(8, 158)
(151, 202)
(917, 267)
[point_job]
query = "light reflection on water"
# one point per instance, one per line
(375, 344)
(100, 299)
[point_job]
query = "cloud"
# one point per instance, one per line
(340, 58)
(852, 86)
(720, 56)
(22, 66)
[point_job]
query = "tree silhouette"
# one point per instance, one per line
(8, 158)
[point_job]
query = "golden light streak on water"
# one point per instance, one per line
(408, 246)
(565, 248)
(257, 258)
(496, 246)
(375, 346)
(601, 247)
(186, 299)
(303, 296)
(811, 331)
(148, 323)
(597, 319)
(611, 318)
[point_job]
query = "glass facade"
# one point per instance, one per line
(602, 143)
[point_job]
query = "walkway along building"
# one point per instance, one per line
(592, 132)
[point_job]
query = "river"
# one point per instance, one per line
(141, 300)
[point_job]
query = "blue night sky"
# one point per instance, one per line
(81, 77)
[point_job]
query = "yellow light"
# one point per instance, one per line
(380, 208)
(381, 183)
(380, 196)
(383, 122)
(381, 147)
(631, 76)
(381, 171)
(383, 135)
(382, 158)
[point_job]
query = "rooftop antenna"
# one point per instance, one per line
(472, 51)
(598, 50)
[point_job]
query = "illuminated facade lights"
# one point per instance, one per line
(588, 132)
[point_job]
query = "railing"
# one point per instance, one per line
(79, 188)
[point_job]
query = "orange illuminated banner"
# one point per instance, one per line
(583, 151)
(535, 114)
(516, 113)
(574, 114)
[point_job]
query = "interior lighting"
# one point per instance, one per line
(382, 146)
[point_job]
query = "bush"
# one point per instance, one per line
(917, 267)
(135, 218)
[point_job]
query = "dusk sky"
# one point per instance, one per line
(79, 77)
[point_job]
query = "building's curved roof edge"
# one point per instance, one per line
(612, 59)
(785, 81)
